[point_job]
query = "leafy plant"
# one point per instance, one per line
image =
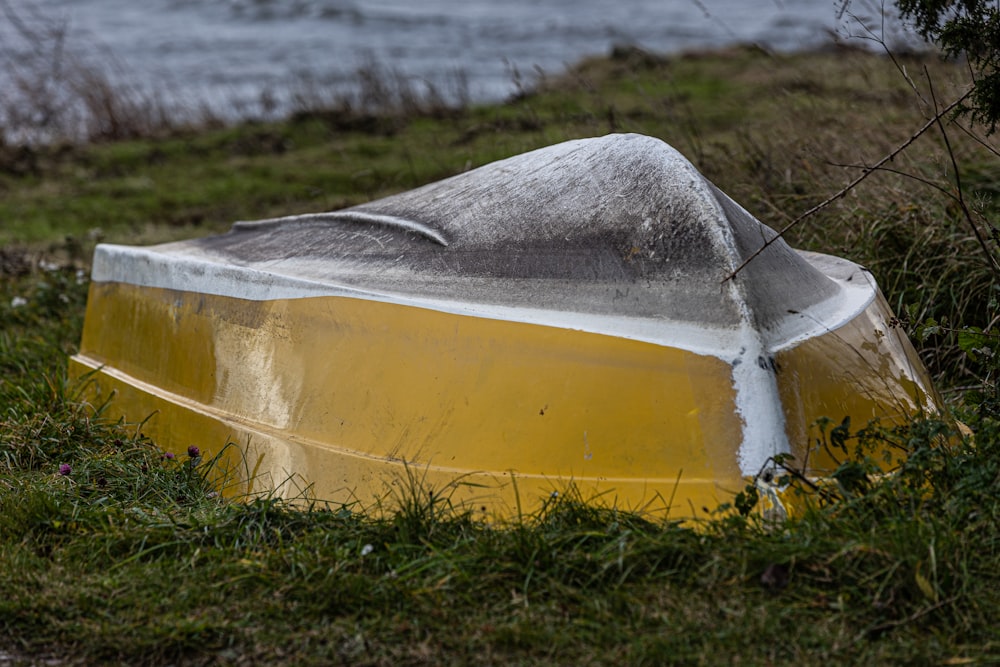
(970, 28)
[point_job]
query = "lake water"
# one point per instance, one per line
(231, 54)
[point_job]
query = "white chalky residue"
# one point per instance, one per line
(758, 406)
(347, 216)
(147, 268)
(246, 367)
(758, 403)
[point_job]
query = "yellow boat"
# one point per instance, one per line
(561, 316)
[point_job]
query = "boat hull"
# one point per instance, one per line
(593, 313)
(350, 400)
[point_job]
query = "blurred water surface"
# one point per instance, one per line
(247, 54)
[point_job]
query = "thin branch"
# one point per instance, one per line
(20, 27)
(880, 40)
(979, 140)
(990, 255)
(850, 186)
(899, 172)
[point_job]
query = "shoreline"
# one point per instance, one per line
(97, 108)
(237, 59)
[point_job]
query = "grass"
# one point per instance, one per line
(111, 553)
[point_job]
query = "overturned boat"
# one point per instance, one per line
(568, 315)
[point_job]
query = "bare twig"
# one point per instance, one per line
(868, 171)
(899, 172)
(20, 27)
(880, 40)
(979, 140)
(959, 196)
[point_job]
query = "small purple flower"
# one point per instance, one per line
(194, 452)
(168, 455)
(65, 469)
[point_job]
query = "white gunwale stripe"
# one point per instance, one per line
(145, 267)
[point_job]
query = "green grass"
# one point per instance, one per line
(111, 553)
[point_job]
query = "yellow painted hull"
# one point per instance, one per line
(346, 400)
(573, 315)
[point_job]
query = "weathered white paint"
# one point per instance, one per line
(347, 216)
(146, 267)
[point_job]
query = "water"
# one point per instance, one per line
(244, 56)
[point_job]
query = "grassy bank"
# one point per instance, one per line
(113, 552)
